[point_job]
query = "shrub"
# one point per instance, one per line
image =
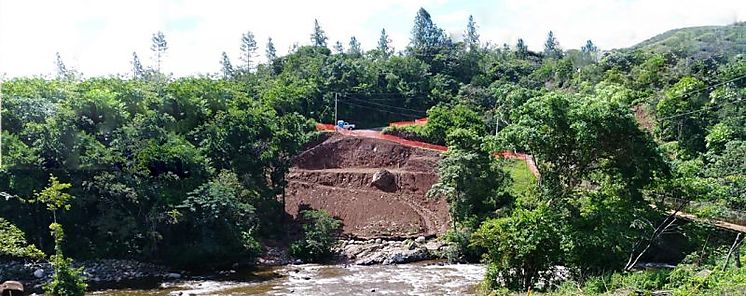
(319, 231)
(14, 243)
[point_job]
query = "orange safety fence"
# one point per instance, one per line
(419, 121)
(411, 143)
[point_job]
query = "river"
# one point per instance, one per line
(424, 278)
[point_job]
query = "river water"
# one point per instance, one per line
(424, 278)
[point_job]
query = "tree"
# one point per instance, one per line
(137, 69)
(471, 39)
(677, 117)
(521, 247)
(219, 222)
(318, 37)
(227, 68)
(66, 280)
(426, 36)
(354, 50)
(159, 47)
(62, 71)
(338, 48)
(384, 44)
(271, 52)
(551, 47)
(470, 179)
(589, 48)
(248, 49)
(521, 50)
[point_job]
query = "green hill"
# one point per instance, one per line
(700, 42)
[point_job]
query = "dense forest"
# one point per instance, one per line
(159, 168)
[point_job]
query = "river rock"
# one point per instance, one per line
(384, 180)
(420, 239)
(173, 275)
(39, 273)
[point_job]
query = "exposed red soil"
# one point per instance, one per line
(336, 176)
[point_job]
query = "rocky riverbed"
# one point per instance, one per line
(105, 272)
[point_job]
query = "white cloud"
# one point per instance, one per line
(98, 37)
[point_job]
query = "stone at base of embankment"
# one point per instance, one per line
(378, 251)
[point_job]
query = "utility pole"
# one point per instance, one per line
(498, 116)
(335, 109)
(1, 122)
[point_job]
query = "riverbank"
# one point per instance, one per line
(101, 273)
(111, 273)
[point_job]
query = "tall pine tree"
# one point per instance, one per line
(318, 37)
(137, 69)
(384, 44)
(271, 52)
(521, 50)
(62, 71)
(551, 47)
(248, 49)
(227, 68)
(427, 38)
(471, 39)
(159, 47)
(338, 48)
(355, 49)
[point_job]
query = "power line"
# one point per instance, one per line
(687, 94)
(387, 106)
(701, 110)
(381, 110)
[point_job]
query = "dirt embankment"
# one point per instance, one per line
(336, 176)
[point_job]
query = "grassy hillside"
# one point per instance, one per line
(700, 42)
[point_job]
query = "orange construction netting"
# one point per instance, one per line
(411, 143)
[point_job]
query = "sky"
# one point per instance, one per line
(98, 37)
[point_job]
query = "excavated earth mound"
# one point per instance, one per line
(336, 175)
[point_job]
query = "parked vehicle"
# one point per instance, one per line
(341, 124)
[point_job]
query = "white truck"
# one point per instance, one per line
(341, 124)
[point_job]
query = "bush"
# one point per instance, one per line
(409, 132)
(319, 232)
(460, 247)
(14, 243)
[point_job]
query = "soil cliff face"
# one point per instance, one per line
(336, 175)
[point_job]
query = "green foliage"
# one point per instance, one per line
(219, 219)
(688, 129)
(53, 196)
(319, 233)
(66, 280)
(470, 179)
(14, 243)
(135, 151)
(443, 120)
(521, 247)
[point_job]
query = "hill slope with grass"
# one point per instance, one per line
(699, 42)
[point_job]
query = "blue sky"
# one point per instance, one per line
(98, 37)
